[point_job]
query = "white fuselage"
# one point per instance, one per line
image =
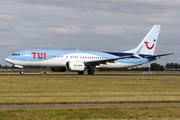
(59, 58)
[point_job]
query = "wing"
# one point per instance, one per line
(103, 61)
(111, 60)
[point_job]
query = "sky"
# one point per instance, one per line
(92, 25)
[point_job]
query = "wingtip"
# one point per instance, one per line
(157, 25)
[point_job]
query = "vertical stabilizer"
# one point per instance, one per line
(148, 44)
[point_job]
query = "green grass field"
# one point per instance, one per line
(88, 89)
(100, 113)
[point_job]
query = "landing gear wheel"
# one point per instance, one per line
(90, 72)
(80, 72)
(21, 72)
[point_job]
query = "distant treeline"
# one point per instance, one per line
(5, 66)
(154, 67)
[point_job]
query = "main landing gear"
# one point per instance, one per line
(80, 72)
(90, 72)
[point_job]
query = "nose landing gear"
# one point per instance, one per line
(21, 72)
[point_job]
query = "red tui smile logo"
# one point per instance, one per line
(148, 46)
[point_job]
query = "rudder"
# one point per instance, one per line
(148, 44)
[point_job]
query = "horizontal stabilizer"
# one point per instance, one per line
(158, 55)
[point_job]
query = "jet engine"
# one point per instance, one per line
(75, 66)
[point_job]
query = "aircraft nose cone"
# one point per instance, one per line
(8, 60)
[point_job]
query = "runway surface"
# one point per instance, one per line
(40, 75)
(86, 105)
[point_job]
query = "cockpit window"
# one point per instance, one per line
(15, 54)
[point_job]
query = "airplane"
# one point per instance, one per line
(79, 61)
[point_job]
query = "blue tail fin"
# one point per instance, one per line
(148, 44)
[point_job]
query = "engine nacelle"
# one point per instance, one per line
(75, 66)
(58, 69)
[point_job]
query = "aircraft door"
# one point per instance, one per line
(28, 55)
